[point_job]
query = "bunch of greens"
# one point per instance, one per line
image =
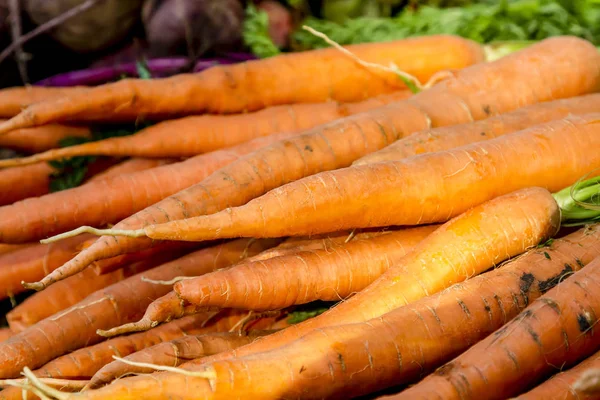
(255, 33)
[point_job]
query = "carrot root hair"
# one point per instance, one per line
(94, 231)
(195, 374)
(143, 324)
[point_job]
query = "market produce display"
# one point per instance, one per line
(415, 216)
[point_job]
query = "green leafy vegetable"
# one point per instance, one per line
(514, 20)
(142, 70)
(307, 311)
(256, 33)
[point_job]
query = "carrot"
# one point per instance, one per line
(5, 333)
(173, 353)
(396, 348)
(35, 140)
(446, 138)
(556, 330)
(34, 262)
(71, 291)
(338, 144)
(23, 182)
(307, 77)
(565, 385)
(130, 166)
(14, 100)
(301, 277)
(106, 201)
(489, 233)
(9, 248)
(119, 303)
(205, 133)
(86, 362)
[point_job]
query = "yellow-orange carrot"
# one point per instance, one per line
(306, 77)
(471, 94)
(119, 303)
(14, 100)
(173, 353)
(73, 290)
(34, 261)
(327, 274)
(463, 247)
(556, 331)
(446, 138)
(563, 385)
(397, 348)
(106, 201)
(35, 140)
(205, 133)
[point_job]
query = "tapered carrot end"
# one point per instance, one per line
(37, 286)
(18, 122)
(142, 325)
(94, 231)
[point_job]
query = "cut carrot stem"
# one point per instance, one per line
(446, 138)
(117, 304)
(556, 331)
(305, 77)
(340, 143)
(422, 335)
(206, 133)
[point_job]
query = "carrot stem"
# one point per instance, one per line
(580, 203)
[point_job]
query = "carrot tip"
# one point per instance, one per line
(141, 325)
(94, 231)
(208, 374)
(37, 286)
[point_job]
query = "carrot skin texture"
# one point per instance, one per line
(111, 306)
(105, 201)
(43, 138)
(34, 262)
(71, 291)
(174, 353)
(422, 335)
(446, 138)
(427, 188)
(23, 182)
(560, 386)
(253, 85)
(527, 216)
(329, 275)
(556, 330)
(5, 333)
(14, 100)
(450, 102)
(206, 133)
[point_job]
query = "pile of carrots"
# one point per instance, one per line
(310, 226)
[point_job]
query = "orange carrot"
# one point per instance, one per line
(556, 331)
(306, 77)
(205, 133)
(340, 143)
(34, 261)
(173, 353)
(488, 234)
(106, 201)
(564, 385)
(130, 166)
(71, 291)
(23, 182)
(9, 248)
(119, 303)
(446, 138)
(14, 100)
(5, 333)
(396, 348)
(35, 140)
(300, 279)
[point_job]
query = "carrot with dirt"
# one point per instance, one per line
(43, 138)
(394, 349)
(173, 353)
(556, 331)
(568, 385)
(327, 274)
(76, 288)
(14, 100)
(338, 144)
(106, 201)
(206, 133)
(305, 77)
(446, 138)
(122, 302)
